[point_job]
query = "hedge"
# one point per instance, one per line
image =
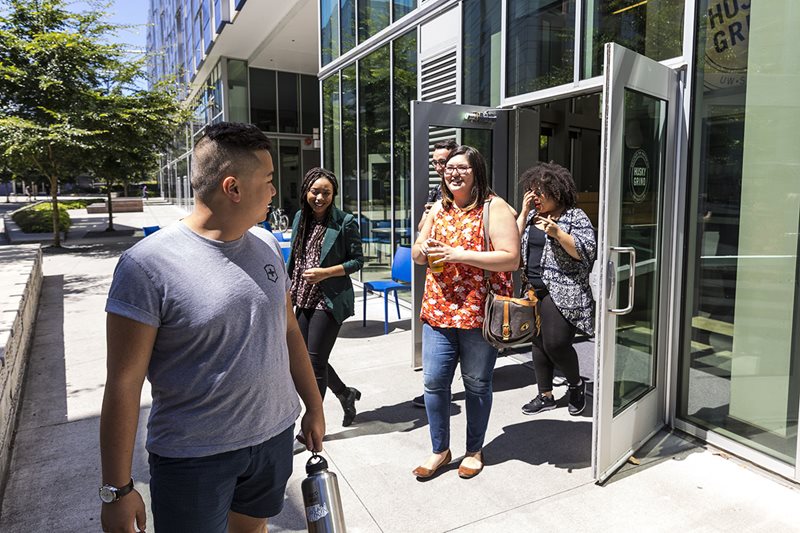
(38, 218)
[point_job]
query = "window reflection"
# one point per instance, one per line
(481, 52)
(375, 162)
(541, 40)
(405, 89)
(653, 28)
(739, 371)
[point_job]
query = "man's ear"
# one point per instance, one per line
(230, 187)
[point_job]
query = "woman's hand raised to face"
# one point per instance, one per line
(527, 201)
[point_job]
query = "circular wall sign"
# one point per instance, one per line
(639, 175)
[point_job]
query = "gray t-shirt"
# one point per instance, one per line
(220, 365)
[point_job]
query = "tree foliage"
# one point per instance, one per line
(70, 99)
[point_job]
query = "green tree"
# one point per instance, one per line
(69, 99)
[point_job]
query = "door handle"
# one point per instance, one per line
(631, 278)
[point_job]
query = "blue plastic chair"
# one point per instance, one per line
(401, 281)
(149, 230)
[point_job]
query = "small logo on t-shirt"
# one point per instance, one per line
(272, 274)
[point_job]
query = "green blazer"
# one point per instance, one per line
(340, 246)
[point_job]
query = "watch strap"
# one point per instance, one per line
(118, 492)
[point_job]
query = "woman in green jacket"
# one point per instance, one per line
(326, 250)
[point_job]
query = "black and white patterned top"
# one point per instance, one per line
(307, 295)
(567, 278)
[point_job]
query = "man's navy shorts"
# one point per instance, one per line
(196, 493)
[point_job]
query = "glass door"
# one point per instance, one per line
(640, 102)
(486, 129)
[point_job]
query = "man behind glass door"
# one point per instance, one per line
(441, 152)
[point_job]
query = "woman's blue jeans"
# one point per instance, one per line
(442, 350)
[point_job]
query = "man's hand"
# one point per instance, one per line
(119, 517)
(312, 428)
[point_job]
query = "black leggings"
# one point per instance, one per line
(553, 347)
(319, 330)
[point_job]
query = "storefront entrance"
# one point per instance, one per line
(627, 129)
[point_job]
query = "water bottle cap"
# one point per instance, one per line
(316, 464)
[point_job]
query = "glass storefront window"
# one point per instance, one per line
(401, 8)
(404, 81)
(237, 91)
(373, 16)
(309, 103)
(263, 102)
(288, 105)
(329, 30)
(739, 352)
(348, 24)
(349, 177)
(331, 126)
(374, 162)
(653, 29)
(481, 52)
(540, 45)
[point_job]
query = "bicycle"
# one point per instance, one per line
(278, 219)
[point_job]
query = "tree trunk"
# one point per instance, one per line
(54, 201)
(110, 208)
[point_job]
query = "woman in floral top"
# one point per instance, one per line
(452, 304)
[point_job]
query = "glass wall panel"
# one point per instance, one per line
(329, 31)
(263, 106)
(309, 103)
(540, 45)
(289, 176)
(288, 108)
(373, 16)
(348, 25)
(349, 177)
(653, 28)
(238, 107)
(331, 128)
(374, 162)
(405, 89)
(739, 353)
(206, 25)
(401, 8)
(481, 52)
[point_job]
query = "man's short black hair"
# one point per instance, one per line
(449, 144)
(225, 149)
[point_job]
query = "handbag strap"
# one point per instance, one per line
(487, 242)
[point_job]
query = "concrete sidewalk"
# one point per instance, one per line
(537, 476)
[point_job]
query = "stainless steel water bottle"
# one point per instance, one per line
(321, 498)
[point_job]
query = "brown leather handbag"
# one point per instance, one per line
(506, 321)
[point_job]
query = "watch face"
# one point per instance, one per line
(107, 494)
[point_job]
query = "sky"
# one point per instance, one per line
(124, 12)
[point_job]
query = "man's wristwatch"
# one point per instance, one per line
(110, 493)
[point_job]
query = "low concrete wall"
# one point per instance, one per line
(120, 205)
(20, 287)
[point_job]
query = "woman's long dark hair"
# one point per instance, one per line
(306, 213)
(480, 187)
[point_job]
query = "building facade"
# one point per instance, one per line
(244, 62)
(680, 141)
(679, 136)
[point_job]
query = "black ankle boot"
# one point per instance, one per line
(348, 400)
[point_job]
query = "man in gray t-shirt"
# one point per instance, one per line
(201, 309)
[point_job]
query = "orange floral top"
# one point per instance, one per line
(454, 298)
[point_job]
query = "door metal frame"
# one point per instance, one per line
(621, 69)
(423, 116)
